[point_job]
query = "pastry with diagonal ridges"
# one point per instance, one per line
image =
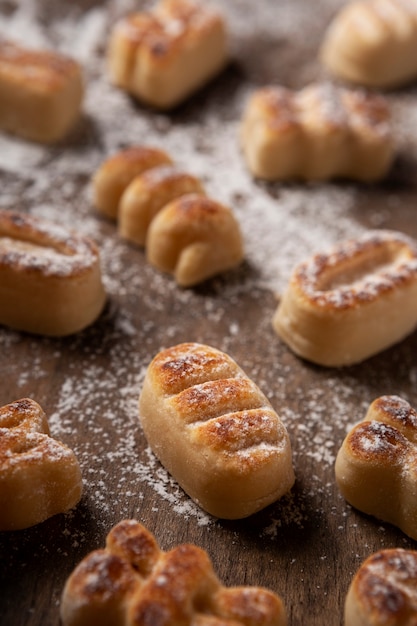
(352, 301)
(317, 133)
(39, 476)
(215, 431)
(131, 582)
(376, 466)
(41, 92)
(50, 278)
(163, 56)
(383, 590)
(373, 43)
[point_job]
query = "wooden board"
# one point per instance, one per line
(307, 546)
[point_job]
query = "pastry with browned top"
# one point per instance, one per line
(132, 582)
(39, 476)
(41, 93)
(376, 466)
(163, 56)
(373, 43)
(317, 133)
(50, 278)
(351, 302)
(383, 591)
(215, 431)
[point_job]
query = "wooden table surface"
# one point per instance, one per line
(307, 546)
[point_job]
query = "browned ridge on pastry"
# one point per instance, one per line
(215, 431)
(133, 583)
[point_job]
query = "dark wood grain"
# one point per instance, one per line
(307, 546)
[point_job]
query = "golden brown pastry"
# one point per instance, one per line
(163, 56)
(147, 194)
(194, 238)
(50, 279)
(39, 476)
(317, 133)
(119, 170)
(373, 43)
(41, 93)
(383, 591)
(132, 582)
(376, 467)
(347, 304)
(215, 431)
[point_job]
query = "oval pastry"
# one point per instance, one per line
(349, 303)
(50, 279)
(215, 431)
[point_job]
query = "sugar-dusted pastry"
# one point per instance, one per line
(383, 591)
(351, 302)
(376, 466)
(41, 93)
(50, 278)
(194, 238)
(118, 171)
(147, 194)
(373, 43)
(131, 582)
(39, 476)
(163, 56)
(215, 431)
(317, 133)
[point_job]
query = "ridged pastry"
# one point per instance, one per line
(41, 93)
(373, 43)
(115, 174)
(131, 582)
(39, 476)
(147, 194)
(50, 278)
(194, 238)
(376, 467)
(215, 431)
(163, 56)
(347, 304)
(317, 133)
(383, 591)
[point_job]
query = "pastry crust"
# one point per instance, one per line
(39, 476)
(41, 93)
(376, 467)
(383, 590)
(163, 56)
(373, 43)
(147, 195)
(194, 238)
(118, 171)
(317, 133)
(352, 302)
(132, 582)
(50, 279)
(215, 431)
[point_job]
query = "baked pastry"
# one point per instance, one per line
(347, 304)
(373, 43)
(50, 278)
(148, 194)
(215, 431)
(131, 582)
(376, 466)
(163, 56)
(194, 238)
(39, 476)
(317, 133)
(383, 590)
(115, 174)
(41, 93)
